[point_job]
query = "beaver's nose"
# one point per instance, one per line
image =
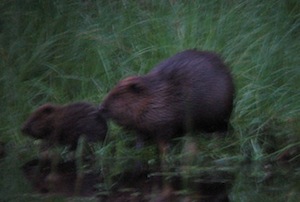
(103, 110)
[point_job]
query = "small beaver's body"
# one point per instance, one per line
(65, 124)
(191, 91)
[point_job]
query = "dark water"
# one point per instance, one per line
(248, 182)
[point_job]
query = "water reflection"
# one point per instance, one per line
(63, 181)
(249, 182)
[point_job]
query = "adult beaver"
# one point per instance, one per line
(191, 91)
(64, 125)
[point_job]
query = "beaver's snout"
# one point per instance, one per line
(103, 110)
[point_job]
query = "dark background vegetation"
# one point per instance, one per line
(66, 51)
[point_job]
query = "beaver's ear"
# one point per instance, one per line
(137, 87)
(135, 84)
(47, 108)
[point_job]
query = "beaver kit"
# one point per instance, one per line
(191, 91)
(64, 125)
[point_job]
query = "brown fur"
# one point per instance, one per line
(65, 124)
(191, 91)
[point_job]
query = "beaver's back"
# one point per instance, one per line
(203, 88)
(80, 119)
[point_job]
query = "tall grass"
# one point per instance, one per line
(65, 51)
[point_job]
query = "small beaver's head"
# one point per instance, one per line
(40, 123)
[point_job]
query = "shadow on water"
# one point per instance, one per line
(250, 182)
